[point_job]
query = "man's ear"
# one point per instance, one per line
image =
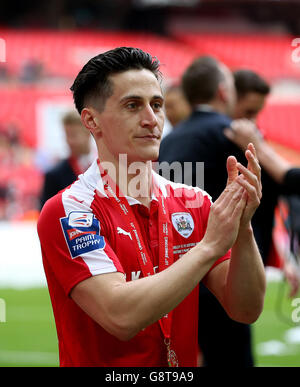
(222, 92)
(90, 121)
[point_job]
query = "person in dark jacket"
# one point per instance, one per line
(209, 87)
(211, 90)
(79, 159)
(280, 176)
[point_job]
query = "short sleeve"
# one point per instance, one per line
(222, 259)
(73, 246)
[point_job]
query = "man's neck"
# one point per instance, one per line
(213, 106)
(134, 179)
(204, 107)
(139, 183)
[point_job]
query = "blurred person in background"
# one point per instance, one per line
(79, 159)
(5, 165)
(211, 92)
(211, 95)
(282, 171)
(288, 176)
(209, 87)
(19, 178)
(177, 107)
(252, 91)
(31, 70)
(277, 173)
(201, 138)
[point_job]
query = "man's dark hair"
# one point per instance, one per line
(247, 81)
(201, 80)
(93, 82)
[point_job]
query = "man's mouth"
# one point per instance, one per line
(150, 137)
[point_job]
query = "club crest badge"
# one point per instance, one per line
(183, 223)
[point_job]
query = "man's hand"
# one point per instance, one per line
(235, 207)
(224, 219)
(250, 179)
(242, 132)
(241, 292)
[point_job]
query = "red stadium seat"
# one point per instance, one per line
(279, 122)
(270, 55)
(64, 53)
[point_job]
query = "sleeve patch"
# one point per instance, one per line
(82, 233)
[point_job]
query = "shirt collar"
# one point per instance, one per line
(94, 170)
(203, 108)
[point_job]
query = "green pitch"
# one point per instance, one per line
(277, 331)
(28, 337)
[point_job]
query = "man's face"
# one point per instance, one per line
(133, 117)
(229, 89)
(78, 139)
(176, 106)
(249, 105)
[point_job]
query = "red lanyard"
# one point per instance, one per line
(165, 244)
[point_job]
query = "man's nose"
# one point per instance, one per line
(149, 118)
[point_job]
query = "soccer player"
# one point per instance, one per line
(124, 249)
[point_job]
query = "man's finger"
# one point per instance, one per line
(232, 170)
(252, 149)
(252, 179)
(230, 192)
(253, 191)
(253, 165)
(252, 158)
(239, 207)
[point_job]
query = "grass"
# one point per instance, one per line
(28, 337)
(271, 332)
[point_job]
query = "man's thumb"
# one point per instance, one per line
(232, 169)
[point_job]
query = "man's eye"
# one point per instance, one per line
(131, 105)
(157, 105)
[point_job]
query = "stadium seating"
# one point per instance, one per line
(41, 65)
(270, 55)
(64, 53)
(279, 122)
